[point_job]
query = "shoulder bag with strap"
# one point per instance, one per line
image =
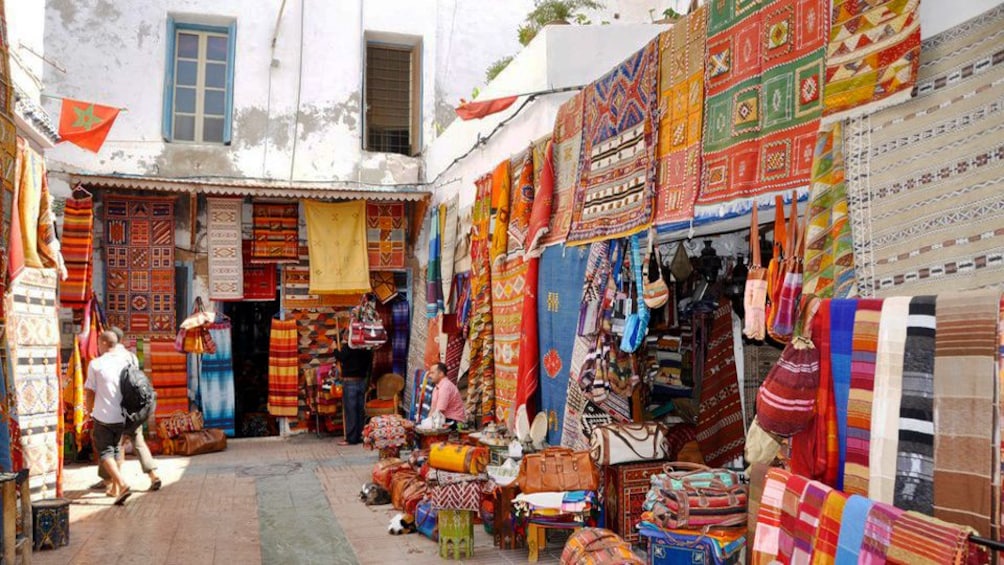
(656, 292)
(755, 295)
(775, 279)
(791, 285)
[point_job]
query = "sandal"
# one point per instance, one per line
(343, 443)
(100, 485)
(121, 498)
(155, 485)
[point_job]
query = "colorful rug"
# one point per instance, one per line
(296, 293)
(681, 104)
(872, 56)
(1000, 411)
(448, 217)
(915, 457)
(860, 398)
(434, 300)
(283, 376)
(139, 265)
(400, 316)
(77, 245)
(216, 385)
(501, 194)
(924, 177)
(336, 240)
(720, 432)
(417, 336)
(521, 203)
(33, 214)
(260, 279)
(616, 188)
(829, 254)
(32, 343)
(918, 539)
(964, 389)
(567, 150)
(223, 228)
(169, 375)
(481, 383)
(887, 393)
(385, 235)
(317, 331)
(275, 234)
(764, 96)
(507, 309)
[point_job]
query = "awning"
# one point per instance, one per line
(253, 187)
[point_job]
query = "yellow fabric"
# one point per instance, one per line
(336, 241)
(30, 171)
(73, 391)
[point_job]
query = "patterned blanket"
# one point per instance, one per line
(336, 235)
(169, 375)
(567, 149)
(275, 232)
(385, 235)
(223, 227)
(77, 246)
(217, 382)
(283, 375)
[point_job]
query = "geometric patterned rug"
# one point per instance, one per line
(223, 227)
(385, 235)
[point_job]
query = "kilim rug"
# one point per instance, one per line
(544, 177)
(169, 376)
(223, 228)
(77, 245)
(915, 458)
(400, 316)
(924, 177)
(336, 240)
(385, 232)
(872, 56)
(434, 300)
(275, 232)
(965, 383)
(216, 384)
(448, 243)
(720, 431)
(859, 404)
(567, 150)
(283, 374)
(139, 265)
(681, 106)
(521, 203)
(8, 156)
(764, 96)
(481, 383)
(615, 192)
(317, 330)
(418, 333)
(559, 294)
(507, 308)
(501, 193)
(260, 279)
(32, 341)
(829, 254)
(887, 393)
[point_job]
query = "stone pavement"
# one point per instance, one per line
(268, 500)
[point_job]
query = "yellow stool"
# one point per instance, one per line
(456, 534)
(536, 532)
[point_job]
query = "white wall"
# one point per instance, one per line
(25, 28)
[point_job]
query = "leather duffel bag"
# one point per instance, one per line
(628, 442)
(207, 440)
(558, 469)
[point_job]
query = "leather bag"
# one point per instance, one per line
(558, 469)
(611, 444)
(712, 505)
(755, 293)
(399, 484)
(385, 469)
(178, 423)
(366, 329)
(656, 293)
(596, 546)
(458, 458)
(208, 440)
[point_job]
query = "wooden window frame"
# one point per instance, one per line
(413, 45)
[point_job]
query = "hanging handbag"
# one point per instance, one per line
(636, 326)
(755, 294)
(680, 267)
(791, 288)
(193, 335)
(775, 272)
(366, 329)
(786, 401)
(656, 292)
(624, 443)
(558, 469)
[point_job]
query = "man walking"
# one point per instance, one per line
(103, 401)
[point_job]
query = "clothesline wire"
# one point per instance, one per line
(986, 542)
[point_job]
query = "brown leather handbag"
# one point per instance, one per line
(207, 440)
(558, 469)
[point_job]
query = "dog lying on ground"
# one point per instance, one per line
(401, 523)
(373, 494)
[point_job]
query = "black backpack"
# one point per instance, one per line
(138, 396)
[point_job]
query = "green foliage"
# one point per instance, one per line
(497, 67)
(546, 11)
(671, 14)
(526, 33)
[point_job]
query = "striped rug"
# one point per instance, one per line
(77, 246)
(283, 389)
(886, 403)
(169, 374)
(915, 457)
(859, 406)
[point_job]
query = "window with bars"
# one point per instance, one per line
(393, 91)
(198, 90)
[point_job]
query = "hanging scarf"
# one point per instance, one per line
(828, 531)
(73, 390)
(434, 282)
(886, 407)
(859, 408)
(852, 530)
(842, 314)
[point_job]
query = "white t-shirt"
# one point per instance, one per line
(103, 376)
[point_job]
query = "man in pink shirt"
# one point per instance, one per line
(445, 397)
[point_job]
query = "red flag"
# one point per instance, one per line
(477, 110)
(86, 124)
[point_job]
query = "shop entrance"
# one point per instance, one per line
(251, 326)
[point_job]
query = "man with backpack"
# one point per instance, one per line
(103, 401)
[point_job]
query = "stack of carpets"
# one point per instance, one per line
(388, 431)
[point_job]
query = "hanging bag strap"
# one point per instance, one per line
(755, 260)
(780, 233)
(793, 231)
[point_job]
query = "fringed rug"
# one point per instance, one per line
(567, 149)
(681, 120)
(924, 178)
(764, 96)
(720, 431)
(216, 386)
(139, 265)
(77, 246)
(283, 373)
(481, 384)
(169, 375)
(507, 308)
(615, 191)
(385, 235)
(223, 228)
(829, 254)
(275, 232)
(336, 240)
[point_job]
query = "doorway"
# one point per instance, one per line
(251, 322)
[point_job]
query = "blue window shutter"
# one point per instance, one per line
(167, 117)
(231, 63)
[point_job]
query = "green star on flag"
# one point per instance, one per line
(86, 124)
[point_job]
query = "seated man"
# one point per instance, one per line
(445, 397)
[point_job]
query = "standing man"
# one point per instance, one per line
(356, 366)
(103, 401)
(445, 397)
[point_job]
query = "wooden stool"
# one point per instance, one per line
(12, 487)
(456, 534)
(505, 536)
(51, 523)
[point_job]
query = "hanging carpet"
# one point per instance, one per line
(336, 240)
(260, 279)
(275, 232)
(283, 373)
(77, 246)
(223, 229)
(720, 432)
(169, 376)
(385, 231)
(216, 386)
(829, 254)
(567, 149)
(915, 466)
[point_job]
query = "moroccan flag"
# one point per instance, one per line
(86, 124)
(478, 110)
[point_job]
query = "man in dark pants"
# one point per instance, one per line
(356, 367)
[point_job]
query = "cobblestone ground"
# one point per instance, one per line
(268, 500)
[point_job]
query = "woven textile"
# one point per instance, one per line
(764, 96)
(814, 450)
(720, 431)
(434, 300)
(385, 232)
(884, 443)
(852, 529)
(681, 119)
(169, 376)
(828, 531)
(139, 265)
(768, 518)
(275, 232)
(77, 246)
(507, 309)
(317, 332)
(915, 457)
(33, 214)
(842, 314)
(872, 56)
(282, 369)
(964, 388)
(528, 374)
(615, 192)
(336, 238)
(810, 510)
(457, 496)
(400, 315)
(878, 533)
(226, 274)
(216, 385)
(543, 196)
(1000, 398)
(388, 431)
(260, 279)
(567, 150)
(73, 390)
(481, 383)
(501, 192)
(918, 539)
(448, 217)
(829, 256)
(794, 488)
(758, 361)
(925, 185)
(296, 293)
(521, 204)
(33, 389)
(417, 334)
(859, 405)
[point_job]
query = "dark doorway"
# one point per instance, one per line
(252, 323)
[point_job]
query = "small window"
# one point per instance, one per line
(393, 91)
(198, 90)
